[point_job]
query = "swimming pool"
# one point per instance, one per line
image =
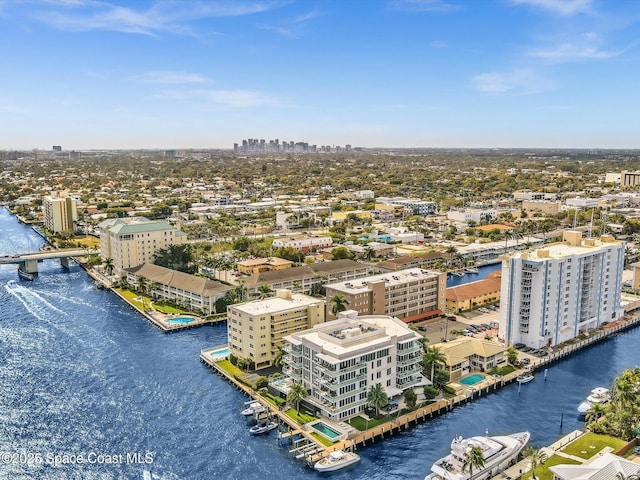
(180, 320)
(472, 379)
(326, 430)
(220, 354)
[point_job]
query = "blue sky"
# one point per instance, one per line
(390, 73)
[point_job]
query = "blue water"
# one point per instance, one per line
(472, 379)
(81, 372)
(483, 271)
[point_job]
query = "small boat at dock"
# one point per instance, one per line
(525, 377)
(336, 460)
(252, 408)
(260, 429)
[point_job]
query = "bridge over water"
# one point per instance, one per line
(28, 262)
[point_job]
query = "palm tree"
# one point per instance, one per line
(377, 397)
(595, 412)
(473, 460)
(451, 250)
(278, 357)
(431, 357)
(142, 284)
(340, 304)
(512, 355)
(536, 456)
(296, 393)
(108, 265)
(264, 291)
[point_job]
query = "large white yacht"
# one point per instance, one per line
(599, 395)
(499, 453)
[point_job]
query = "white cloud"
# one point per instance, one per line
(423, 5)
(12, 109)
(228, 98)
(439, 44)
(562, 7)
(566, 52)
(520, 81)
(174, 17)
(166, 76)
(584, 47)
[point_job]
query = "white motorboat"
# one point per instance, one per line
(254, 407)
(598, 395)
(499, 452)
(525, 377)
(259, 429)
(336, 460)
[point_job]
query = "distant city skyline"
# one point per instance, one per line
(93, 74)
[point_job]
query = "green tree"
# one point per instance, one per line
(377, 397)
(430, 392)
(512, 355)
(341, 253)
(108, 265)
(410, 398)
(536, 457)
(473, 460)
(264, 291)
(432, 357)
(296, 394)
(339, 304)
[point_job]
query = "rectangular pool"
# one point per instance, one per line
(472, 379)
(326, 430)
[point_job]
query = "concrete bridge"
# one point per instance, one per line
(28, 262)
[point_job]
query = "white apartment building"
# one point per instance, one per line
(256, 329)
(338, 362)
(130, 242)
(60, 214)
(472, 214)
(550, 294)
(411, 294)
(305, 244)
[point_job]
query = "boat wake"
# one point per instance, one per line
(32, 301)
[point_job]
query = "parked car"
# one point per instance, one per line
(452, 318)
(422, 328)
(519, 346)
(525, 361)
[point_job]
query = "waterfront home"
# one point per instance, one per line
(257, 265)
(194, 293)
(413, 294)
(551, 294)
(605, 466)
(256, 329)
(339, 361)
(466, 354)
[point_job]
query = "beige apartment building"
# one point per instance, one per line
(338, 362)
(60, 214)
(411, 295)
(130, 242)
(256, 329)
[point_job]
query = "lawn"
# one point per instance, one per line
(87, 241)
(230, 368)
(143, 302)
(361, 424)
(581, 447)
(301, 417)
(326, 442)
(542, 471)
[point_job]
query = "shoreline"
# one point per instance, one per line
(427, 412)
